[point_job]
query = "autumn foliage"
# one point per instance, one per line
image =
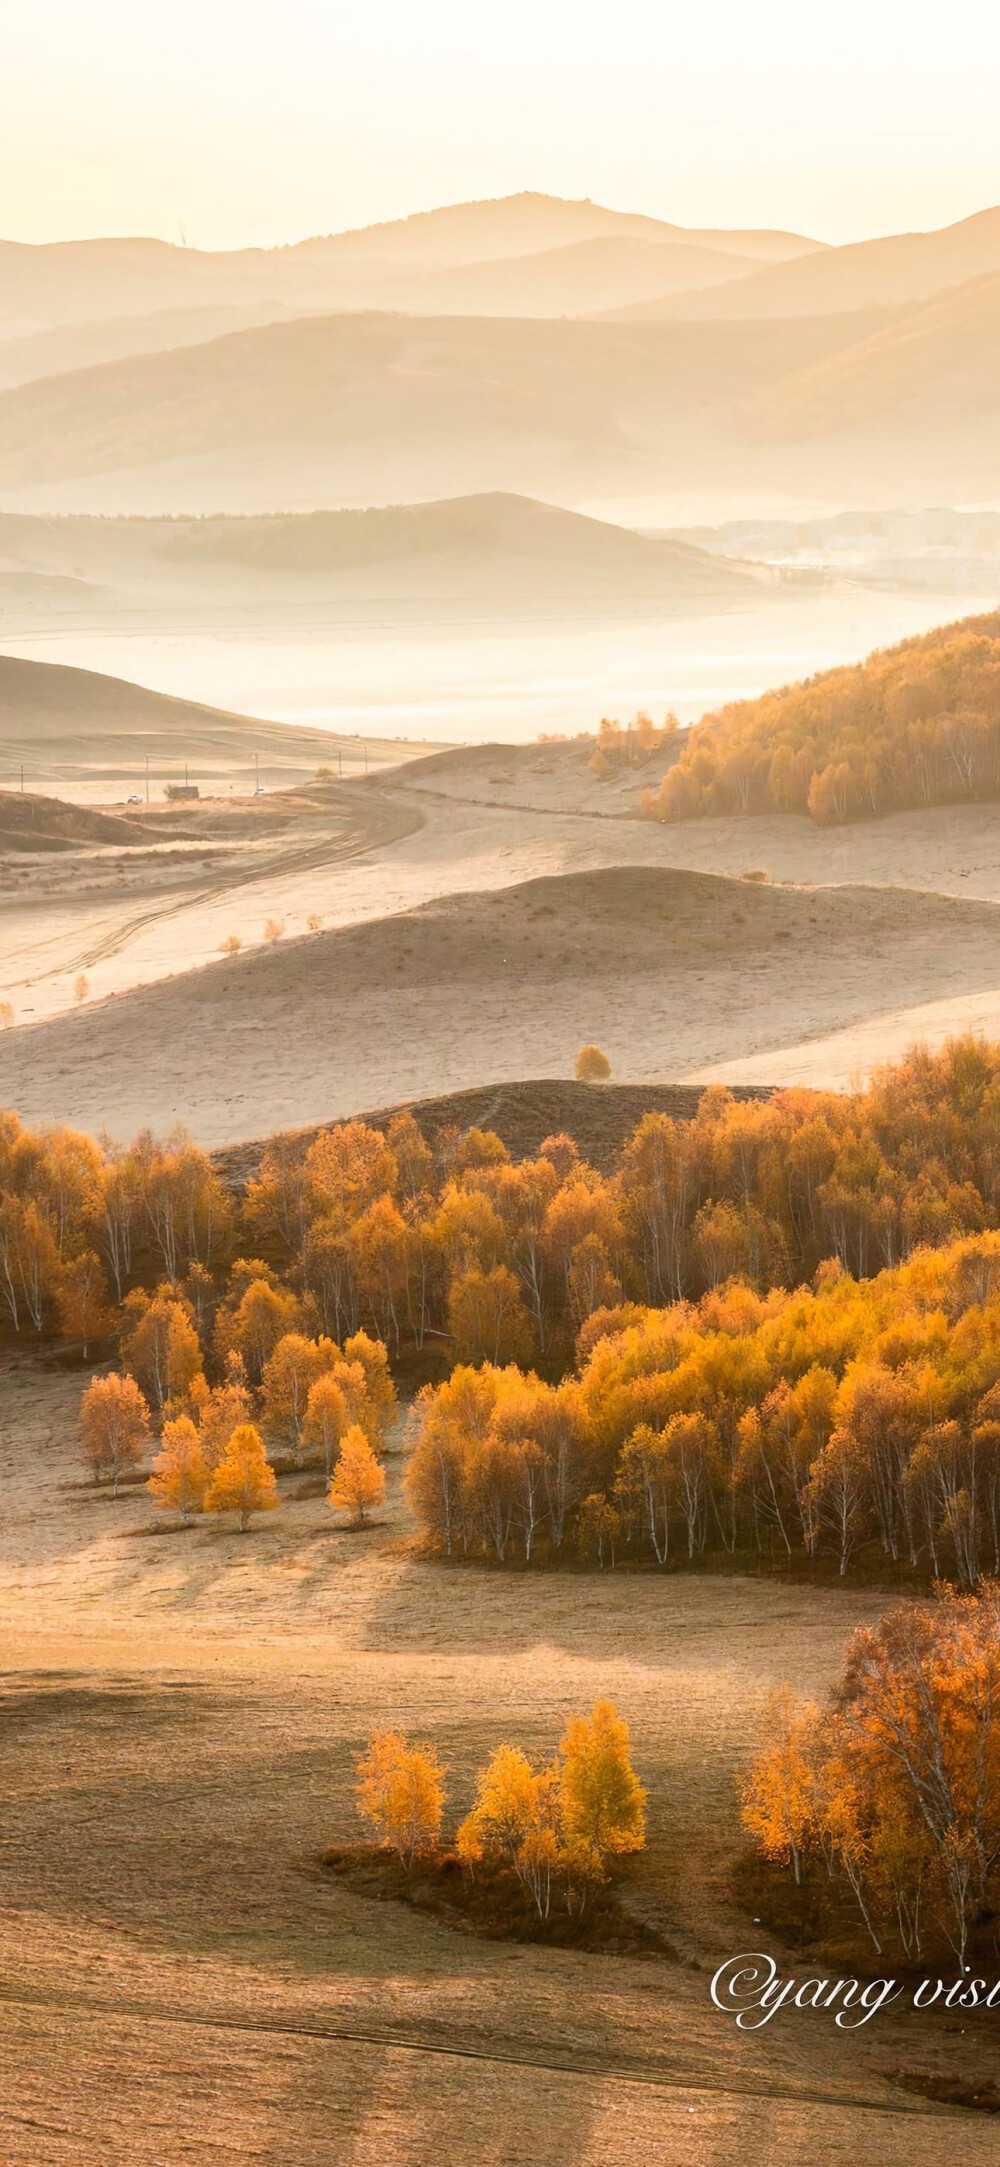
(917, 724)
(770, 1329)
(891, 1793)
(358, 1482)
(558, 1828)
(114, 1427)
(400, 1794)
(243, 1481)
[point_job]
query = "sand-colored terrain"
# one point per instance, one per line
(88, 736)
(180, 1710)
(669, 971)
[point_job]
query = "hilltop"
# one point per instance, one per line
(91, 735)
(84, 282)
(670, 971)
(897, 271)
(490, 549)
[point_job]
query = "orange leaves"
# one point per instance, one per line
(114, 1427)
(400, 1793)
(358, 1483)
(563, 1823)
(917, 724)
(487, 1317)
(603, 1804)
(243, 1482)
(180, 1476)
(779, 1796)
(897, 1783)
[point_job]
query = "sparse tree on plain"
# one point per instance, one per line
(114, 1427)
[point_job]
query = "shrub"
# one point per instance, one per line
(592, 1066)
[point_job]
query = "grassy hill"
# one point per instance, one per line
(491, 549)
(933, 372)
(895, 272)
(90, 736)
(373, 407)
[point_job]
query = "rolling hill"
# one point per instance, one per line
(890, 273)
(362, 409)
(460, 233)
(492, 549)
(81, 282)
(933, 374)
(668, 969)
(61, 347)
(90, 735)
(580, 278)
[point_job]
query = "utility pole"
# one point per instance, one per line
(147, 778)
(256, 769)
(22, 778)
(366, 756)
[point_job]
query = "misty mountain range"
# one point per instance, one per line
(533, 346)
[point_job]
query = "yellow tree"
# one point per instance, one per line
(81, 1295)
(114, 1427)
(602, 1803)
(289, 1374)
(161, 1351)
(592, 1065)
(779, 1795)
(358, 1483)
(243, 1482)
(326, 1419)
(220, 1411)
(487, 1317)
(400, 1793)
(252, 1326)
(516, 1817)
(380, 1392)
(180, 1476)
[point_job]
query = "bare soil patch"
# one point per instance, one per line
(493, 1904)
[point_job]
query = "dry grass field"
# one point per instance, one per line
(667, 970)
(179, 1986)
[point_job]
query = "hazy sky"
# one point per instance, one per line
(269, 119)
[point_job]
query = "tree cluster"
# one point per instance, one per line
(917, 724)
(457, 1248)
(558, 1828)
(891, 1793)
(230, 1378)
(847, 1419)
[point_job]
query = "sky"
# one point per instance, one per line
(264, 121)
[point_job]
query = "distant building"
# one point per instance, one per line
(182, 790)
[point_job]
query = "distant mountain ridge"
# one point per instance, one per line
(83, 281)
(377, 408)
(898, 271)
(489, 549)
